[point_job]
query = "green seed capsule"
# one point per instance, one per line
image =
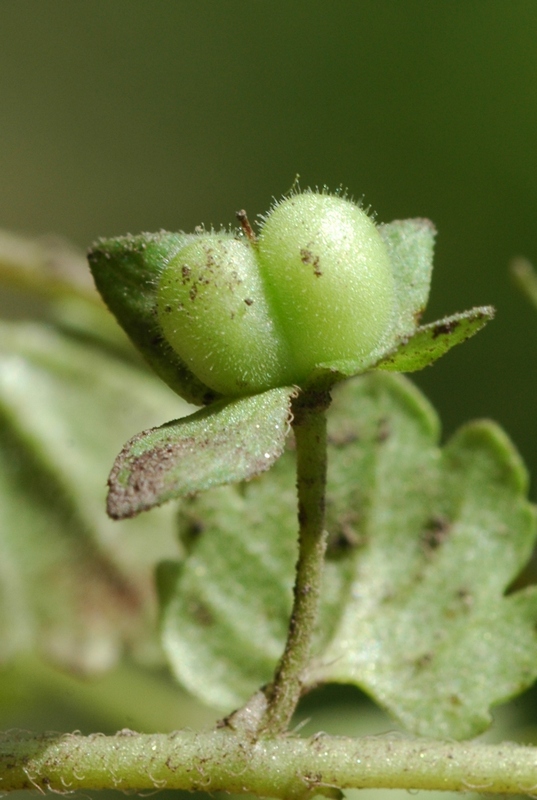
(316, 289)
(328, 274)
(214, 312)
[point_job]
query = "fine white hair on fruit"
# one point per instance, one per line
(312, 289)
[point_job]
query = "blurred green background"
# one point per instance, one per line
(132, 115)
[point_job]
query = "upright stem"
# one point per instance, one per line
(284, 692)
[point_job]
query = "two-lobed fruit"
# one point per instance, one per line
(315, 289)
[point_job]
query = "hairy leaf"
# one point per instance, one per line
(424, 543)
(73, 585)
(410, 243)
(431, 341)
(126, 272)
(224, 622)
(230, 441)
(442, 533)
(419, 347)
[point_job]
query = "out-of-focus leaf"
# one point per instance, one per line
(51, 270)
(525, 277)
(225, 624)
(232, 440)
(48, 266)
(430, 342)
(73, 584)
(424, 543)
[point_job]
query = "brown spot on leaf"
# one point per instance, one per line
(344, 537)
(418, 315)
(423, 661)
(383, 430)
(445, 328)
(146, 476)
(466, 598)
(193, 530)
(343, 437)
(200, 612)
(436, 532)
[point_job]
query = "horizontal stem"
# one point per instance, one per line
(283, 767)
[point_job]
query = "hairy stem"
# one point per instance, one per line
(284, 692)
(284, 767)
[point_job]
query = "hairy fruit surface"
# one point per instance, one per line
(316, 288)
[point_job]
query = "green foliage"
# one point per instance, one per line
(322, 295)
(410, 246)
(430, 342)
(424, 542)
(230, 441)
(74, 586)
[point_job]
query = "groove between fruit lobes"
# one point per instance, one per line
(316, 289)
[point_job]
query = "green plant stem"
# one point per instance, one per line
(283, 694)
(285, 767)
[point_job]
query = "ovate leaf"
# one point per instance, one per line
(224, 619)
(423, 568)
(424, 544)
(230, 441)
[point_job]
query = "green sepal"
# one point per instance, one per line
(409, 348)
(410, 244)
(232, 440)
(430, 342)
(424, 347)
(126, 272)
